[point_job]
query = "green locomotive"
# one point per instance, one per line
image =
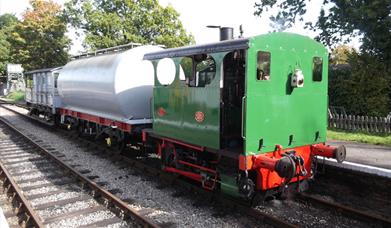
(244, 115)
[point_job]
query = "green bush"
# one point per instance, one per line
(16, 96)
(362, 86)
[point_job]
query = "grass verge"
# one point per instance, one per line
(16, 96)
(359, 137)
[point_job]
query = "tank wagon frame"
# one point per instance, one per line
(246, 117)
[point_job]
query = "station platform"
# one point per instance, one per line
(368, 158)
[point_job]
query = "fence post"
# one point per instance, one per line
(366, 122)
(337, 125)
(370, 124)
(388, 125)
(347, 123)
(331, 119)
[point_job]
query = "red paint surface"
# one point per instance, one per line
(267, 178)
(96, 119)
(161, 112)
(199, 116)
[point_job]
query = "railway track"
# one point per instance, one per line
(371, 218)
(175, 180)
(146, 169)
(41, 190)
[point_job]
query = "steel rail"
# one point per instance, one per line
(32, 219)
(357, 214)
(49, 124)
(352, 212)
(93, 186)
(254, 213)
(222, 199)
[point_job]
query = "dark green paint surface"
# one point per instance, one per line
(181, 102)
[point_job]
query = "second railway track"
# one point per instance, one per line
(43, 191)
(266, 218)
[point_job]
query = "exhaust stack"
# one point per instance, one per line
(226, 33)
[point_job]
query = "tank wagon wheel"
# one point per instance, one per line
(120, 145)
(80, 129)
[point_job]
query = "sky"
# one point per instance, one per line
(196, 15)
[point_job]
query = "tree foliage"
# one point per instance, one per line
(339, 20)
(7, 20)
(7, 23)
(108, 23)
(341, 55)
(39, 40)
(361, 85)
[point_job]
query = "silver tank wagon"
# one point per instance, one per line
(114, 86)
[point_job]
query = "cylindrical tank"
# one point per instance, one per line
(115, 86)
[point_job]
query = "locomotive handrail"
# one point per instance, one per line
(243, 108)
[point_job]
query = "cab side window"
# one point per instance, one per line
(186, 70)
(205, 71)
(197, 70)
(263, 66)
(317, 69)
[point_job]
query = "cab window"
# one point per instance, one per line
(317, 69)
(204, 71)
(186, 69)
(263, 66)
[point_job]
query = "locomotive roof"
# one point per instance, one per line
(221, 46)
(43, 70)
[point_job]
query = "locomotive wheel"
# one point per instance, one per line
(169, 156)
(246, 187)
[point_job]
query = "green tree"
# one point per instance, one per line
(39, 40)
(107, 23)
(7, 20)
(339, 20)
(361, 86)
(341, 54)
(7, 23)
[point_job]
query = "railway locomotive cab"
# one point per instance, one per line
(244, 116)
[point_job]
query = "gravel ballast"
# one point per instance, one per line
(161, 204)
